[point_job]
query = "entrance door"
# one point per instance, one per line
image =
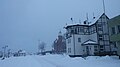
(87, 50)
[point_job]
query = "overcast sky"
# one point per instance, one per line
(24, 22)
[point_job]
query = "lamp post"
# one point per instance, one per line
(9, 53)
(4, 51)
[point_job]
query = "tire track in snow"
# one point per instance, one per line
(56, 65)
(42, 62)
(46, 62)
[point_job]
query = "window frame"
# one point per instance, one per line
(113, 30)
(118, 29)
(79, 39)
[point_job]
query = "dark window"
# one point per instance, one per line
(79, 39)
(78, 29)
(99, 28)
(72, 31)
(113, 30)
(114, 44)
(101, 46)
(75, 30)
(87, 47)
(95, 46)
(103, 17)
(99, 25)
(100, 38)
(69, 41)
(118, 28)
(81, 29)
(101, 49)
(95, 49)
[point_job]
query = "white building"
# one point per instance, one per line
(90, 38)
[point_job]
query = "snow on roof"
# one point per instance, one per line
(96, 18)
(23, 51)
(75, 24)
(90, 42)
(92, 22)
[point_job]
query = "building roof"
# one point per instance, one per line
(81, 24)
(75, 24)
(114, 21)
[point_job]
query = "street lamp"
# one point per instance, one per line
(4, 53)
(9, 53)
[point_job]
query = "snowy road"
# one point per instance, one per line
(60, 61)
(45, 62)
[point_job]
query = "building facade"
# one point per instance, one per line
(114, 30)
(59, 44)
(89, 38)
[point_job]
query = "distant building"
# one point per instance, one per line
(89, 38)
(20, 53)
(114, 30)
(59, 44)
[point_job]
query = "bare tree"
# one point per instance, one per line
(41, 46)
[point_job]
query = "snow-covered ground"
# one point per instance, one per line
(60, 61)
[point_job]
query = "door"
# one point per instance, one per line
(87, 50)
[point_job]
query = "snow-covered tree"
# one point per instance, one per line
(41, 46)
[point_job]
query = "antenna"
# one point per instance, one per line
(71, 19)
(38, 45)
(66, 24)
(79, 21)
(93, 16)
(104, 6)
(87, 18)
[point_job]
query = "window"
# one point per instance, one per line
(114, 44)
(75, 30)
(78, 30)
(101, 49)
(81, 29)
(103, 17)
(86, 30)
(69, 40)
(95, 49)
(106, 42)
(99, 28)
(72, 31)
(100, 37)
(118, 29)
(79, 39)
(99, 25)
(95, 46)
(87, 47)
(101, 42)
(101, 46)
(113, 30)
(106, 37)
(69, 50)
(94, 29)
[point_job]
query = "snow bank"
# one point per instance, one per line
(60, 61)
(27, 61)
